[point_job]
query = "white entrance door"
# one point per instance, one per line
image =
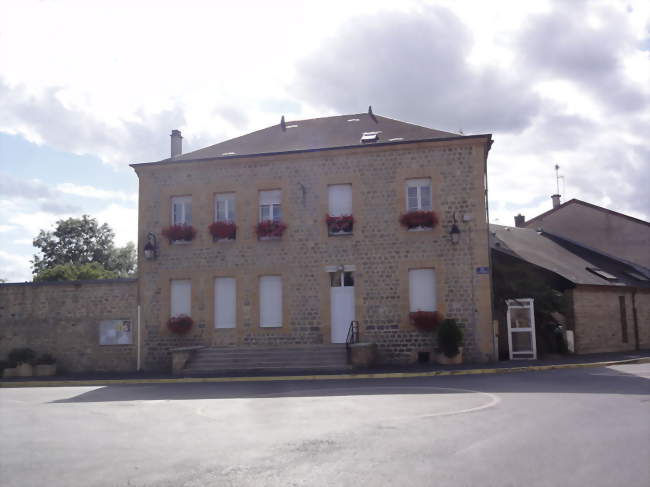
(521, 329)
(342, 304)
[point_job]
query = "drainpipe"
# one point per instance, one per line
(636, 320)
(138, 366)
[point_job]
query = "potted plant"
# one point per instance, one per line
(223, 230)
(8, 368)
(179, 233)
(339, 225)
(270, 229)
(180, 324)
(419, 219)
(45, 365)
(23, 358)
(450, 338)
(425, 320)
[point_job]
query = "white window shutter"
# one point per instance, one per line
(422, 290)
(181, 297)
(225, 299)
(181, 210)
(270, 301)
(340, 199)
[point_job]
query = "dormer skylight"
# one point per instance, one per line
(292, 126)
(228, 153)
(395, 139)
(353, 120)
(601, 273)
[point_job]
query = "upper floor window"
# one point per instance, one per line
(224, 207)
(340, 199)
(270, 205)
(181, 210)
(418, 194)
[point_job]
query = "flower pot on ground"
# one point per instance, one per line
(180, 324)
(419, 219)
(269, 229)
(23, 358)
(425, 320)
(450, 339)
(223, 230)
(45, 366)
(179, 233)
(339, 225)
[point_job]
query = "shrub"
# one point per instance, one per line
(22, 355)
(339, 224)
(270, 228)
(223, 230)
(415, 219)
(45, 359)
(176, 233)
(180, 324)
(450, 336)
(425, 320)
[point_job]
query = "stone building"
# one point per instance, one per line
(284, 275)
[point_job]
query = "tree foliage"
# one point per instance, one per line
(79, 248)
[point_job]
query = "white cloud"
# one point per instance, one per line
(87, 191)
(15, 268)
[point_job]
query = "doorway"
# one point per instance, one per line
(342, 304)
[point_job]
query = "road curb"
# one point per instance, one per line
(385, 375)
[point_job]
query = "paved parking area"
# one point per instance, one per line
(567, 427)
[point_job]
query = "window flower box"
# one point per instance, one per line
(339, 225)
(179, 233)
(425, 320)
(419, 219)
(180, 324)
(270, 229)
(223, 230)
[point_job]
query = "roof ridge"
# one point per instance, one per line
(590, 205)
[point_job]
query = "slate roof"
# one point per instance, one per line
(318, 133)
(575, 201)
(568, 260)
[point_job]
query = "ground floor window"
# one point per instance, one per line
(225, 299)
(422, 290)
(181, 297)
(271, 301)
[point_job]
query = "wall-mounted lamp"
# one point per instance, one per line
(454, 233)
(151, 247)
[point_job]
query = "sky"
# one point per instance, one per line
(89, 87)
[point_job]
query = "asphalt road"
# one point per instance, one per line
(577, 427)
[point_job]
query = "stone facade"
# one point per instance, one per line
(62, 319)
(380, 249)
(598, 321)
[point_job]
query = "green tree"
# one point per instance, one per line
(76, 242)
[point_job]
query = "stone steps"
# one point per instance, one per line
(217, 360)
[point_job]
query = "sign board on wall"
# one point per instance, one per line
(115, 332)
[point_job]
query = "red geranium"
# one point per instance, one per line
(270, 228)
(223, 230)
(339, 224)
(180, 324)
(177, 233)
(415, 219)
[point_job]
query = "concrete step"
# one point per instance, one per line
(263, 358)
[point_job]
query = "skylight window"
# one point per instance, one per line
(369, 137)
(602, 273)
(353, 120)
(228, 153)
(292, 126)
(637, 276)
(395, 139)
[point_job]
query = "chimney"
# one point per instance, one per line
(556, 200)
(520, 221)
(177, 143)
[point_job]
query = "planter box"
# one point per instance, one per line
(442, 359)
(44, 370)
(24, 370)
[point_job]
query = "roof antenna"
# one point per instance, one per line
(372, 115)
(283, 124)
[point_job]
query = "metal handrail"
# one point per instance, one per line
(353, 334)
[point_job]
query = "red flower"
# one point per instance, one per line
(176, 233)
(415, 219)
(223, 230)
(270, 228)
(339, 224)
(425, 320)
(180, 324)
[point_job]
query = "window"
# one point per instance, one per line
(341, 279)
(181, 293)
(270, 205)
(225, 299)
(422, 290)
(224, 207)
(271, 301)
(621, 306)
(418, 195)
(181, 210)
(340, 199)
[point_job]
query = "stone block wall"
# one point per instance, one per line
(62, 318)
(380, 249)
(597, 318)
